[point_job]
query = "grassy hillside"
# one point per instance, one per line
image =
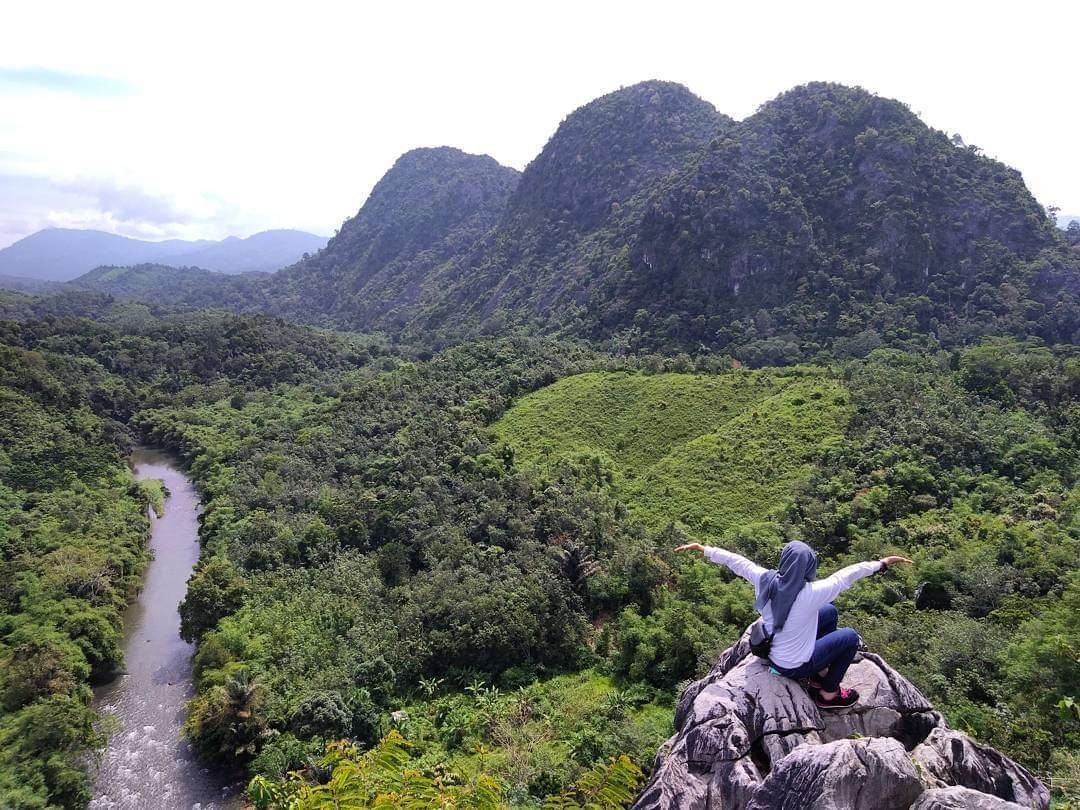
(706, 451)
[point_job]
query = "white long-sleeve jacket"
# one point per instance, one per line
(794, 644)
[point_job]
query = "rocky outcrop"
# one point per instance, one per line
(862, 774)
(748, 738)
(961, 798)
(951, 758)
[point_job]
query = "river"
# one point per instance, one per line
(147, 763)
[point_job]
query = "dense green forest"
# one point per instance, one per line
(474, 551)
(422, 553)
(437, 551)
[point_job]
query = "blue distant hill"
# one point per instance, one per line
(60, 254)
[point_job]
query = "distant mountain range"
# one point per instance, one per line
(1065, 219)
(830, 222)
(61, 254)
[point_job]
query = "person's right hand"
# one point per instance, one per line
(894, 560)
(691, 547)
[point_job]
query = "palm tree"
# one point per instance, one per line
(577, 560)
(243, 697)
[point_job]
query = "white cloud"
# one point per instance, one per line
(255, 115)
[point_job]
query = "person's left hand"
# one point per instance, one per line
(895, 559)
(691, 547)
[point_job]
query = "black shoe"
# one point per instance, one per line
(841, 700)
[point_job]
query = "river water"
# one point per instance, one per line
(147, 763)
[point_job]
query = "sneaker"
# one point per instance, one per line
(842, 700)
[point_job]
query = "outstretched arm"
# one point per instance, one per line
(747, 569)
(825, 590)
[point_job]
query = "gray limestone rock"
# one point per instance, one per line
(961, 798)
(952, 758)
(748, 738)
(866, 774)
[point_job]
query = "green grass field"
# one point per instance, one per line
(708, 452)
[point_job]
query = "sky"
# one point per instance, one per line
(201, 120)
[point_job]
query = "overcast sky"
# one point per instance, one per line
(209, 119)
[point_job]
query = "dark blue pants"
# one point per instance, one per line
(834, 649)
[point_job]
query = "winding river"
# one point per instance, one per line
(147, 763)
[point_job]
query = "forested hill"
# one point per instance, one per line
(572, 210)
(830, 222)
(838, 215)
(433, 206)
(610, 149)
(444, 231)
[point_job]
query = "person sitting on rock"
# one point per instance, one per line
(798, 612)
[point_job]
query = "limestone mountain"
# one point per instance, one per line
(831, 219)
(832, 210)
(433, 206)
(830, 222)
(607, 151)
(587, 184)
